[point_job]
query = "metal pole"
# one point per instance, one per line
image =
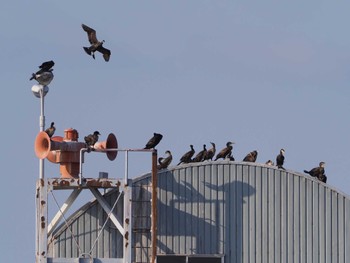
(126, 175)
(154, 206)
(42, 128)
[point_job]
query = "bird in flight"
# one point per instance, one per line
(95, 44)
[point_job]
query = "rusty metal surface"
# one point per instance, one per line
(71, 183)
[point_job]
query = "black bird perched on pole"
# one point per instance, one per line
(226, 152)
(165, 162)
(95, 44)
(44, 76)
(91, 139)
(187, 157)
(201, 155)
(153, 142)
(51, 130)
(251, 157)
(317, 171)
(280, 159)
(210, 153)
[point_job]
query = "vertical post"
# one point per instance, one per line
(126, 174)
(127, 223)
(41, 221)
(42, 127)
(154, 206)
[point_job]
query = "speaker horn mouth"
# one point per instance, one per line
(42, 145)
(110, 143)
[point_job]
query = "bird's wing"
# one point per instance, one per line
(106, 52)
(91, 34)
(47, 65)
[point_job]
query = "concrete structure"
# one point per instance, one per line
(213, 212)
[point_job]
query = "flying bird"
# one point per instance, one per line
(201, 155)
(317, 171)
(153, 142)
(95, 44)
(280, 159)
(226, 152)
(165, 162)
(44, 75)
(251, 157)
(51, 130)
(210, 153)
(91, 139)
(187, 157)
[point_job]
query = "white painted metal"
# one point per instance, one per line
(62, 211)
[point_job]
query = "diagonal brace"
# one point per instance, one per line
(108, 210)
(63, 210)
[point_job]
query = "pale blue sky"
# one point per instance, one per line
(264, 74)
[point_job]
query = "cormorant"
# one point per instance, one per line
(91, 139)
(251, 157)
(269, 162)
(201, 155)
(95, 44)
(280, 159)
(323, 178)
(51, 130)
(153, 142)
(44, 76)
(187, 157)
(210, 153)
(165, 162)
(317, 171)
(226, 152)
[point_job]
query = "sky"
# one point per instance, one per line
(264, 74)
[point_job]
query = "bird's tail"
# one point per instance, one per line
(87, 50)
(307, 172)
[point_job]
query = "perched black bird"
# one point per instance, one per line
(201, 155)
(44, 76)
(251, 157)
(187, 157)
(210, 153)
(153, 142)
(323, 178)
(51, 130)
(280, 159)
(95, 44)
(226, 152)
(165, 162)
(91, 139)
(269, 162)
(317, 171)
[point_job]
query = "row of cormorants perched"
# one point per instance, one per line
(204, 154)
(226, 153)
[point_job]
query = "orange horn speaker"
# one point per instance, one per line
(66, 151)
(110, 143)
(44, 145)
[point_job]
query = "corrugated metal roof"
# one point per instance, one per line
(245, 211)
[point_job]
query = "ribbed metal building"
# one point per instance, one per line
(216, 212)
